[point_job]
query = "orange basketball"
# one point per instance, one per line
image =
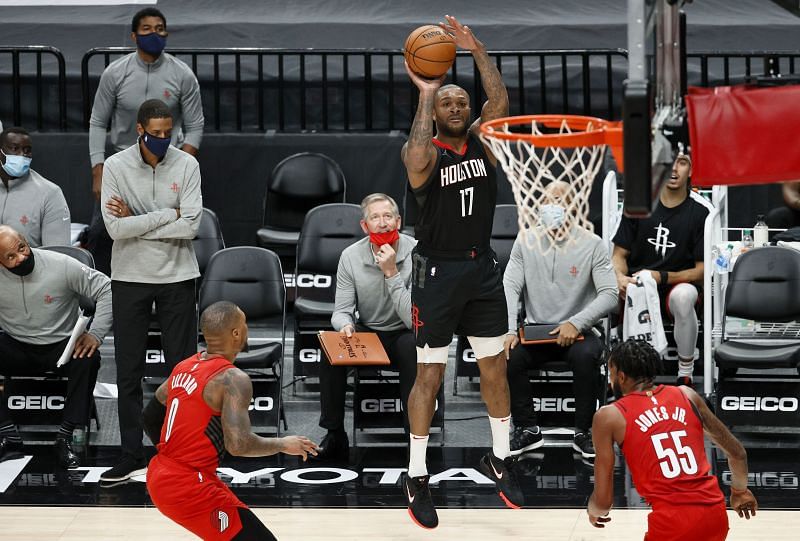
(429, 51)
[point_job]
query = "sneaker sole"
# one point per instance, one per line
(485, 470)
(583, 453)
(134, 473)
(527, 448)
(418, 523)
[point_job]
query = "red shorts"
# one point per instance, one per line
(198, 501)
(683, 522)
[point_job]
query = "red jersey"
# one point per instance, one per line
(664, 448)
(192, 431)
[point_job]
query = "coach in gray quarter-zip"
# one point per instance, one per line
(39, 302)
(151, 204)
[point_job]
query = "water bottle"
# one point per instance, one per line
(722, 260)
(760, 232)
(747, 240)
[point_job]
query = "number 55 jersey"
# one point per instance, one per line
(664, 448)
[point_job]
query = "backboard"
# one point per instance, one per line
(653, 111)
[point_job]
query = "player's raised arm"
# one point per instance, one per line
(419, 154)
(606, 421)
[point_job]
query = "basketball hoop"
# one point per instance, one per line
(537, 150)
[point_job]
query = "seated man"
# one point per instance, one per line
(669, 245)
(573, 288)
(32, 205)
(373, 281)
(787, 216)
(39, 295)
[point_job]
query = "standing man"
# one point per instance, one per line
(373, 282)
(660, 432)
(30, 203)
(457, 285)
(40, 293)
(573, 288)
(669, 246)
(208, 400)
(151, 206)
(124, 85)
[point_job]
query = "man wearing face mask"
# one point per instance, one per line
(374, 281)
(39, 301)
(573, 288)
(124, 85)
(151, 205)
(30, 203)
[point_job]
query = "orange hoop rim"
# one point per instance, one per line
(604, 132)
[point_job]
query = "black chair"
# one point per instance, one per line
(208, 240)
(327, 231)
(297, 184)
(764, 286)
(504, 232)
(252, 278)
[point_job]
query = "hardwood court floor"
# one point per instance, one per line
(318, 524)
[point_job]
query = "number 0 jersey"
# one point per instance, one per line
(457, 201)
(192, 431)
(664, 448)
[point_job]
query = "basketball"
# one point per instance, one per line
(429, 51)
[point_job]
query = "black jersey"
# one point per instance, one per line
(457, 201)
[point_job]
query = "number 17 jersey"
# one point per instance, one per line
(664, 448)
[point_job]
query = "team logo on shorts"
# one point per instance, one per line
(219, 519)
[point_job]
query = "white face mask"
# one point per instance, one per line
(552, 216)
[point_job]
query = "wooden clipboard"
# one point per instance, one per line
(361, 349)
(539, 334)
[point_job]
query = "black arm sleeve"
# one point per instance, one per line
(153, 419)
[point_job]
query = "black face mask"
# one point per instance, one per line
(24, 268)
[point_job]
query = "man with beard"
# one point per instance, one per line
(456, 280)
(669, 246)
(660, 432)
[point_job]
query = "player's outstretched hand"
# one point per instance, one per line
(744, 503)
(298, 445)
(462, 35)
(423, 84)
(599, 522)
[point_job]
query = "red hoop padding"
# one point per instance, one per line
(744, 134)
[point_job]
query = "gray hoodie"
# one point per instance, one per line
(127, 83)
(153, 246)
(35, 207)
(42, 307)
(575, 284)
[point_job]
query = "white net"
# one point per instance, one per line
(551, 184)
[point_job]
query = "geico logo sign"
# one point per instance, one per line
(469, 356)
(771, 479)
(759, 403)
(154, 356)
(320, 281)
(309, 355)
(36, 402)
(384, 405)
(554, 404)
(261, 403)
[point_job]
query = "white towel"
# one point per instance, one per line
(643, 313)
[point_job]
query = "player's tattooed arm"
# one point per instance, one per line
(161, 392)
(418, 153)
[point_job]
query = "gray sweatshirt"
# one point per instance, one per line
(42, 308)
(126, 83)
(383, 304)
(35, 207)
(153, 246)
(576, 285)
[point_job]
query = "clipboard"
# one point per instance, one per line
(539, 334)
(361, 349)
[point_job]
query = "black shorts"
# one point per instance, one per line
(457, 296)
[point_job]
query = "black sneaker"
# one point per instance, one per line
(335, 446)
(525, 438)
(126, 468)
(684, 380)
(65, 455)
(10, 450)
(583, 444)
(420, 504)
(503, 473)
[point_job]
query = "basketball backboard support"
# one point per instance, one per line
(653, 111)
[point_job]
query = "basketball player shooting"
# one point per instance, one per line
(457, 286)
(660, 431)
(208, 399)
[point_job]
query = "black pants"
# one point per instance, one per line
(23, 359)
(98, 241)
(402, 352)
(783, 218)
(177, 317)
(583, 357)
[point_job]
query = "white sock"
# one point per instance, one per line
(685, 367)
(501, 446)
(417, 451)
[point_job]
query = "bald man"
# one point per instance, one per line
(39, 306)
(572, 289)
(208, 400)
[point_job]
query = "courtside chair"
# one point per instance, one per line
(209, 239)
